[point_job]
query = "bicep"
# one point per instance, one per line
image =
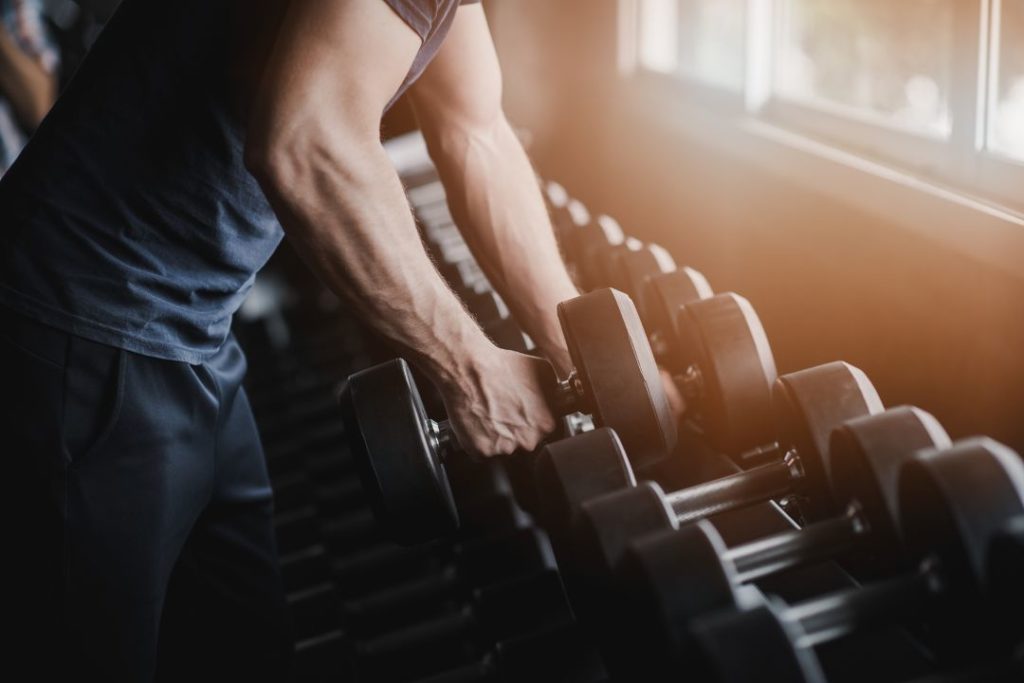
(462, 85)
(332, 61)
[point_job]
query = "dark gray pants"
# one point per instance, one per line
(137, 515)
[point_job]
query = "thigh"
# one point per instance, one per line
(225, 616)
(138, 474)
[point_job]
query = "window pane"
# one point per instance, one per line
(1007, 126)
(885, 59)
(657, 23)
(711, 38)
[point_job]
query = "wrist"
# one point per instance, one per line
(462, 365)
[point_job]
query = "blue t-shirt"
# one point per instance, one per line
(130, 218)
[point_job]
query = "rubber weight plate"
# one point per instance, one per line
(622, 386)
(865, 457)
(737, 369)
(570, 471)
(404, 479)
(809, 404)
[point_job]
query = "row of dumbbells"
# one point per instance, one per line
(933, 528)
(364, 607)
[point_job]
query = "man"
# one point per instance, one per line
(133, 224)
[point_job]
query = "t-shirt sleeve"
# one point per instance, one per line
(417, 14)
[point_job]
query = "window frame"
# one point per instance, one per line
(962, 161)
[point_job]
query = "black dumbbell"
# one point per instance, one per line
(401, 453)
(500, 611)
(557, 654)
(735, 373)
(669, 578)
(809, 405)
(953, 503)
(567, 220)
(526, 551)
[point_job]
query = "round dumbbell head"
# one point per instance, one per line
(865, 457)
(737, 370)
(766, 641)
(1006, 567)
(576, 469)
(398, 462)
(953, 503)
(593, 240)
(605, 261)
(661, 298)
(620, 379)
(672, 577)
(607, 524)
(632, 269)
(555, 194)
(809, 405)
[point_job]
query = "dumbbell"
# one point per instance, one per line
(501, 611)
(808, 404)
(594, 245)
(478, 564)
(669, 578)
(400, 452)
(953, 503)
(735, 390)
(558, 654)
(374, 575)
(567, 218)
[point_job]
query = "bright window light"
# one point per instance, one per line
(658, 26)
(1006, 126)
(884, 60)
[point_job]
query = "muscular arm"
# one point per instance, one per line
(313, 143)
(491, 187)
(25, 82)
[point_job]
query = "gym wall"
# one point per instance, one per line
(930, 325)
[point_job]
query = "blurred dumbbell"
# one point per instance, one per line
(516, 607)
(953, 503)
(557, 654)
(809, 405)
(670, 578)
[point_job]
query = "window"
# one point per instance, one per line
(886, 60)
(931, 86)
(702, 40)
(1006, 125)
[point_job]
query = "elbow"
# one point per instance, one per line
(266, 159)
(301, 158)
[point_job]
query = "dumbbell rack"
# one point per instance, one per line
(336, 560)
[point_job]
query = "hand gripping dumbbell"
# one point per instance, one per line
(669, 578)
(954, 502)
(809, 404)
(729, 383)
(400, 452)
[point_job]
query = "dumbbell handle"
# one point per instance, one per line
(791, 549)
(564, 396)
(886, 602)
(738, 490)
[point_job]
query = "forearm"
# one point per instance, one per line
(352, 225)
(24, 81)
(494, 198)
